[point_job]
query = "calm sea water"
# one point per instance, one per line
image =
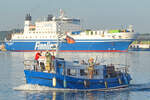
(12, 76)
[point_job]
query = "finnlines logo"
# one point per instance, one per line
(44, 46)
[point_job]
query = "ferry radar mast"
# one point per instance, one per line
(62, 14)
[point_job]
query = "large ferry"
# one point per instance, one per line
(43, 36)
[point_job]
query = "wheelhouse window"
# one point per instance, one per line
(96, 72)
(71, 72)
(83, 72)
(76, 62)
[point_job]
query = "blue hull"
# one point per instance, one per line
(46, 79)
(79, 46)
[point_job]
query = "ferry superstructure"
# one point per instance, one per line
(43, 36)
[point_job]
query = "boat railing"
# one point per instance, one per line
(118, 67)
(122, 69)
(29, 64)
(113, 71)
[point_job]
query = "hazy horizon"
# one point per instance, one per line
(95, 14)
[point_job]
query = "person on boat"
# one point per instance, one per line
(37, 56)
(83, 62)
(48, 61)
(91, 68)
(41, 62)
(52, 63)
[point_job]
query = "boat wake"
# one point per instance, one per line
(30, 87)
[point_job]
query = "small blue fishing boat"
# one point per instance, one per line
(76, 75)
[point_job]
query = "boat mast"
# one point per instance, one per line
(59, 32)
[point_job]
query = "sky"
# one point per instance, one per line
(94, 14)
